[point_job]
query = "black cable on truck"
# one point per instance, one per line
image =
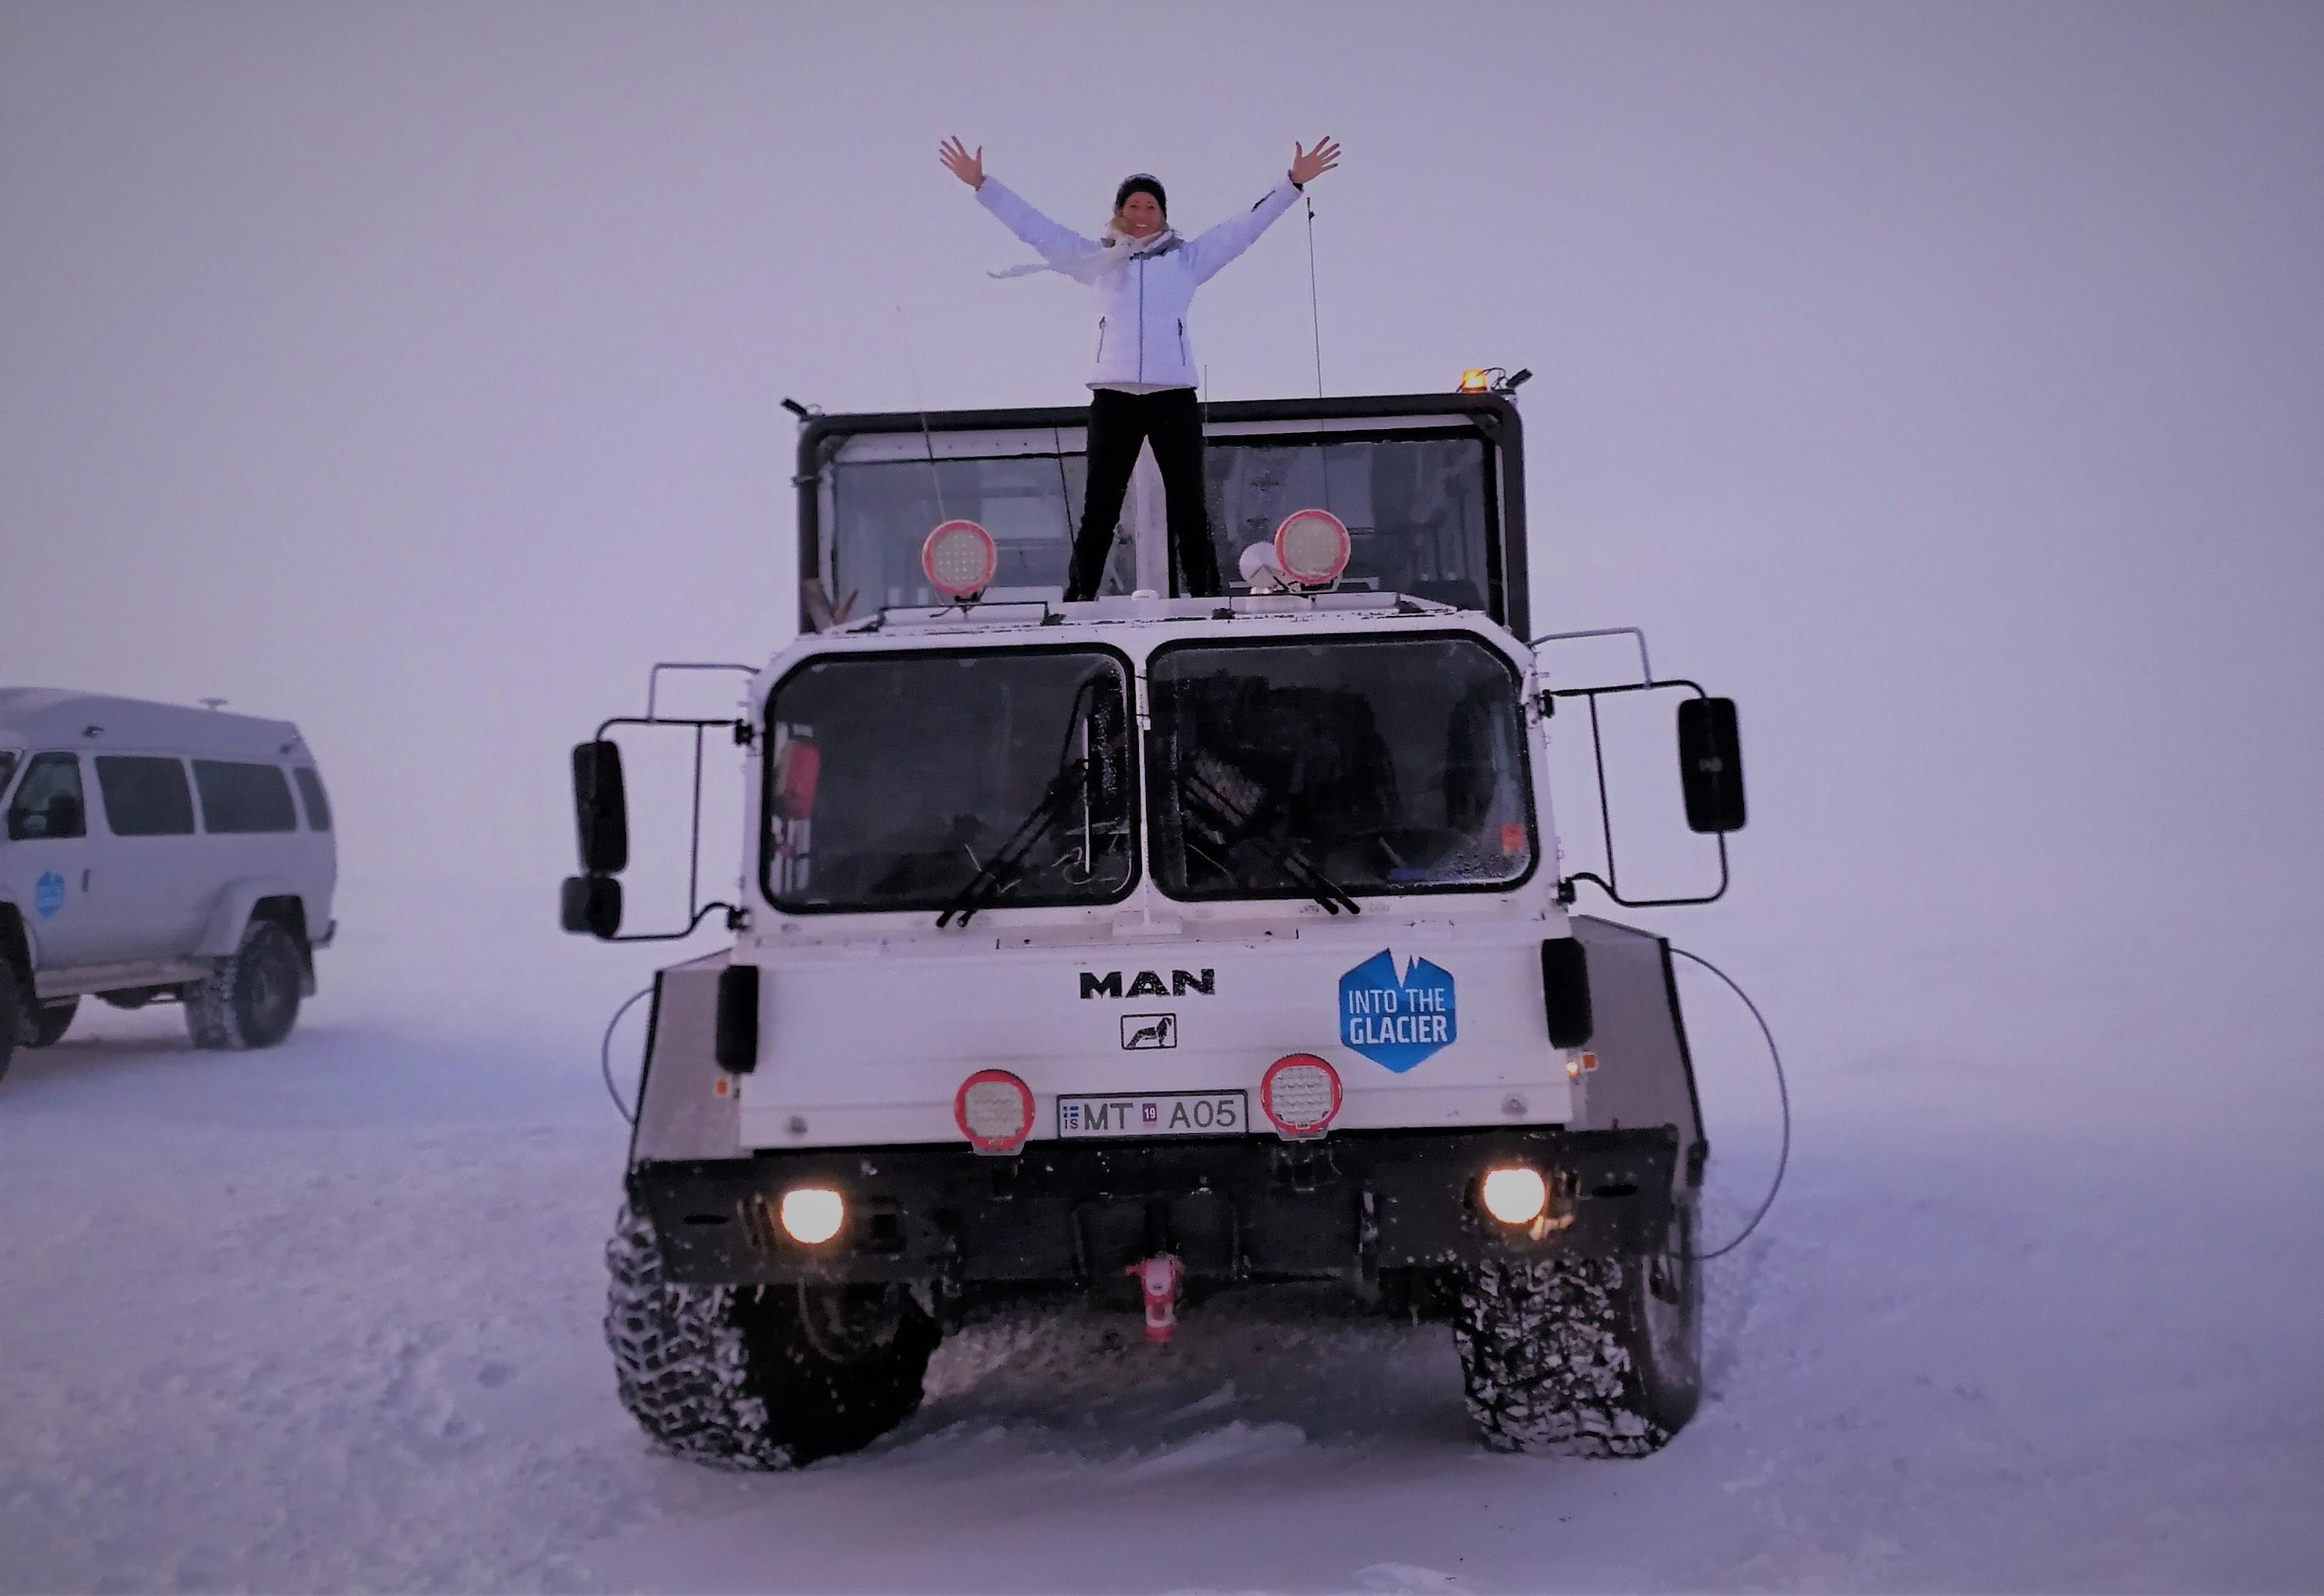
(1783, 1093)
(605, 1056)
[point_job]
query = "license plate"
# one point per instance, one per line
(1154, 1113)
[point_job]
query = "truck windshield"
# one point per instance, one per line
(1359, 766)
(896, 781)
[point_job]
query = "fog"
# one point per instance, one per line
(1945, 384)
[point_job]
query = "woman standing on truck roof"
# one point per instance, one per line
(1143, 378)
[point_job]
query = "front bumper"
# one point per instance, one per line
(1246, 1209)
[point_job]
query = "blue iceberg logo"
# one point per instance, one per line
(49, 893)
(1396, 1020)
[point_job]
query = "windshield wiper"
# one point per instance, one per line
(1006, 867)
(1231, 801)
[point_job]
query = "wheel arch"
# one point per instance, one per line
(268, 898)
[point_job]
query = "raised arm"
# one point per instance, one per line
(1054, 242)
(1214, 248)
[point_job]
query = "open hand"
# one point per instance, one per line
(969, 168)
(1307, 165)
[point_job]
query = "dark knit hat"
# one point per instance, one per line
(1146, 181)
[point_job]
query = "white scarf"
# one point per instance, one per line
(1117, 251)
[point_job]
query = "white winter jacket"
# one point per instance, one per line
(1141, 303)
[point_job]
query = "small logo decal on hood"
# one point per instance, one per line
(1148, 984)
(1396, 1020)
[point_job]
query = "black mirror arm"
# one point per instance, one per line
(1605, 884)
(691, 925)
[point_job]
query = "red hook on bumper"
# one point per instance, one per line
(1159, 1278)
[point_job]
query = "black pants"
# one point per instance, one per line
(1172, 421)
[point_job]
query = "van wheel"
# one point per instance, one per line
(250, 1000)
(752, 1376)
(51, 1020)
(1580, 1356)
(11, 1014)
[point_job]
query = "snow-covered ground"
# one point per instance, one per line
(325, 1317)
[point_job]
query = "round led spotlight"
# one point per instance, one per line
(994, 1110)
(960, 557)
(1515, 1195)
(1300, 1094)
(812, 1214)
(1312, 547)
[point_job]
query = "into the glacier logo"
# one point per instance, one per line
(1397, 1020)
(49, 893)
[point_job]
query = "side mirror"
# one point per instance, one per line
(601, 807)
(1710, 764)
(591, 905)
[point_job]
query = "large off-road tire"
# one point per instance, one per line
(759, 1377)
(50, 1021)
(1583, 1356)
(250, 1000)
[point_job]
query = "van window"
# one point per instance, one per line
(145, 796)
(49, 805)
(239, 798)
(319, 807)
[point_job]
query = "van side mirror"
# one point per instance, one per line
(1710, 764)
(601, 807)
(591, 905)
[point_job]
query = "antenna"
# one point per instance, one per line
(927, 435)
(1315, 310)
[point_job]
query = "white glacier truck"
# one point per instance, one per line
(1155, 946)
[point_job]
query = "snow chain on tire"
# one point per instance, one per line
(724, 1374)
(1551, 1355)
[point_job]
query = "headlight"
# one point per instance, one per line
(812, 1214)
(1514, 1196)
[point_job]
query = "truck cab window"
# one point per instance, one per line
(49, 805)
(894, 781)
(1380, 766)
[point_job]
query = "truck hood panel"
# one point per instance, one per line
(1426, 1030)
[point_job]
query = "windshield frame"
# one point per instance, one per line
(1527, 753)
(1132, 680)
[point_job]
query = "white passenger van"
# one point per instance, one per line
(153, 853)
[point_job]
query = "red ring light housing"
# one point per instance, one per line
(994, 1110)
(960, 557)
(1312, 547)
(1300, 1095)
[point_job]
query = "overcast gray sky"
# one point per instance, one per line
(1947, 383)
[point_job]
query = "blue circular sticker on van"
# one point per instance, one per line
(49, 893)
